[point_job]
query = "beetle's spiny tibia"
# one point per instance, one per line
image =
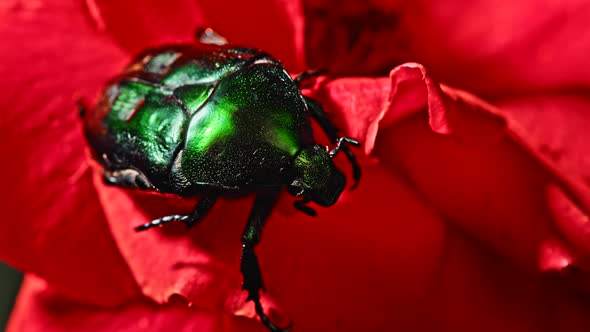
(161, 221)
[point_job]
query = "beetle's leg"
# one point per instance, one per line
(301, 206)
(318, 113)
(340, 144)
(249, 262)
(201, 209)
(306, 75)
(127, 178)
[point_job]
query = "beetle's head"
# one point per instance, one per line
(316, 179)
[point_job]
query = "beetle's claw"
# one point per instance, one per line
(352, 141)
(342, 144)
(266, 321)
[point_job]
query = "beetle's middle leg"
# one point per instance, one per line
(320, 115)
(201, 209)
(249, 262)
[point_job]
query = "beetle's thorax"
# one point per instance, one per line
(316, 176)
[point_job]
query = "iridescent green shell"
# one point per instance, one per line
(189, 117)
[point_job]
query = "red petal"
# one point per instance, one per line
(50, 208)
(480, 173)
(136, 27)
(477, 289)
(479, 169)
(379, 244)
(273, 25)
(39, 309)
(375, 254)
(483, 46)
(556, 127)
(317, 271)
(276, 26)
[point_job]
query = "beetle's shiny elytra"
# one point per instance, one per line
(210, 120)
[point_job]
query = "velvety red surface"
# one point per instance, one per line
(468, 217)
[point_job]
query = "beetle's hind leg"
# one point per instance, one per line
(201, 209)
(249, 262)
(320, 115)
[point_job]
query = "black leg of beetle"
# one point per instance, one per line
(301, 206)
(249, 263)
(340, 144)
(201, 209)
(304, 76)
(318, 113)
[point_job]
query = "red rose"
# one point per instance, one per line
(469, 217)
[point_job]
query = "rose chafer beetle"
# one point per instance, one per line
(212, 119)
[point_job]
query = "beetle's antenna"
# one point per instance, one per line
(339, 143)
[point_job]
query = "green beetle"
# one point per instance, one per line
(213, 119)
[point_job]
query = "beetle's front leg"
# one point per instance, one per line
(320, 115)
(249, 265)
(201, 209)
